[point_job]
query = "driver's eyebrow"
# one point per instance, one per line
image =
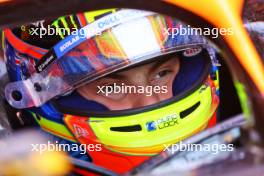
(159, 63)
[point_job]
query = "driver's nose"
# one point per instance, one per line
(149, 96)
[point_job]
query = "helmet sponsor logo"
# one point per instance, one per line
(165, 122)
(69, 43)
(45, 61)
(120, 17)
(79, 131)
(108, 21)
(192, 52)
(151, 126)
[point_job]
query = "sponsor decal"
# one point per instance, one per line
(45, 61)
(165, 122)
(192, 52)
(80, 132)
(108, 21)
(69, 43)
(151, 126)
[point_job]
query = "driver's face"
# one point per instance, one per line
(156, 74)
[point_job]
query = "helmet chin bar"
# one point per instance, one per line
(148, 140)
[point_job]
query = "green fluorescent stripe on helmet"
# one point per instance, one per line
(63, 30)
(243, 100)
(73, 22)
(55, 128)
(56, 25)
(65, 24)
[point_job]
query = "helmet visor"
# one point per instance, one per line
(85, 56)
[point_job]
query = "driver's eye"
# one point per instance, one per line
(162, 73)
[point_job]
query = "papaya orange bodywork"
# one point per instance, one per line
(227, 14)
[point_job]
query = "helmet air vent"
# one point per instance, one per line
(188, 111)
(131, 128)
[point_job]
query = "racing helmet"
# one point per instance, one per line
(48, 60)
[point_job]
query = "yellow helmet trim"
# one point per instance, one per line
(167, 132)
(54, 128)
